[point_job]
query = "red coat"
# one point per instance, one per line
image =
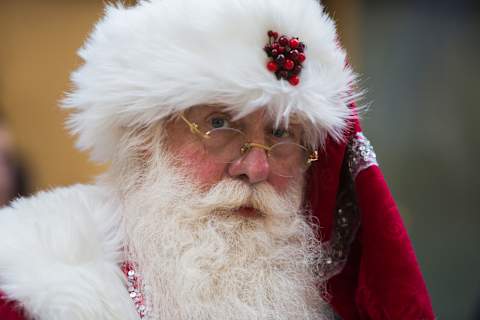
(9, 311)
(382, 279)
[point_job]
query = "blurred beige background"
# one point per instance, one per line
(38, 51)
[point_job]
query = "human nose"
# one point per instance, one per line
(253, 166)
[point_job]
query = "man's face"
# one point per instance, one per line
(209, 165)
(214, 238)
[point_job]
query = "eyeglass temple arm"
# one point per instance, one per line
(312, 157)
(193, 127)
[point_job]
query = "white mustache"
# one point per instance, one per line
(229, 195)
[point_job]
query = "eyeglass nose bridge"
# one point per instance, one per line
(250, 145)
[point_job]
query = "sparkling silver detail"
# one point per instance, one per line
(136, 289)
(347, 215)
(360, 155)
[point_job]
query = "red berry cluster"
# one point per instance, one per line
(287, 56)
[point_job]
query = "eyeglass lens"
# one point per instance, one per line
(285, 158)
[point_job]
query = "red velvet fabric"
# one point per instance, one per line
(9, 310)
(381, 279)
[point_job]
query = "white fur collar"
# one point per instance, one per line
(60, 256)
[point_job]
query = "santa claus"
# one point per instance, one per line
(240, 185)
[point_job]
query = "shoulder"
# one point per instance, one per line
(61, 249)
(63, 224)
(52, 218)
(59, 201)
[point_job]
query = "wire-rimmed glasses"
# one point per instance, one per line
(227, 144)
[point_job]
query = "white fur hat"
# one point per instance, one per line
(160, 57)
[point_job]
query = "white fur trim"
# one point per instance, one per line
(162, 56)
(60, 256)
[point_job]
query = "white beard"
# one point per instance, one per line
(199, 260)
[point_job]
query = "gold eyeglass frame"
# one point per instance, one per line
(313, 156)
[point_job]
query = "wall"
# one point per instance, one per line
(39, 41)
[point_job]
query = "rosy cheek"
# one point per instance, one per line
(280, 184)
(200, 164)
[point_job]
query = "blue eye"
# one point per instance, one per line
(280, 133)
(218, 123)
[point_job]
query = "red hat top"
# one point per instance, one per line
(372, 269)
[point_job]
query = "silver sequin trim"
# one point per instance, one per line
(345, 227)
(136, 289)
(361, 154)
